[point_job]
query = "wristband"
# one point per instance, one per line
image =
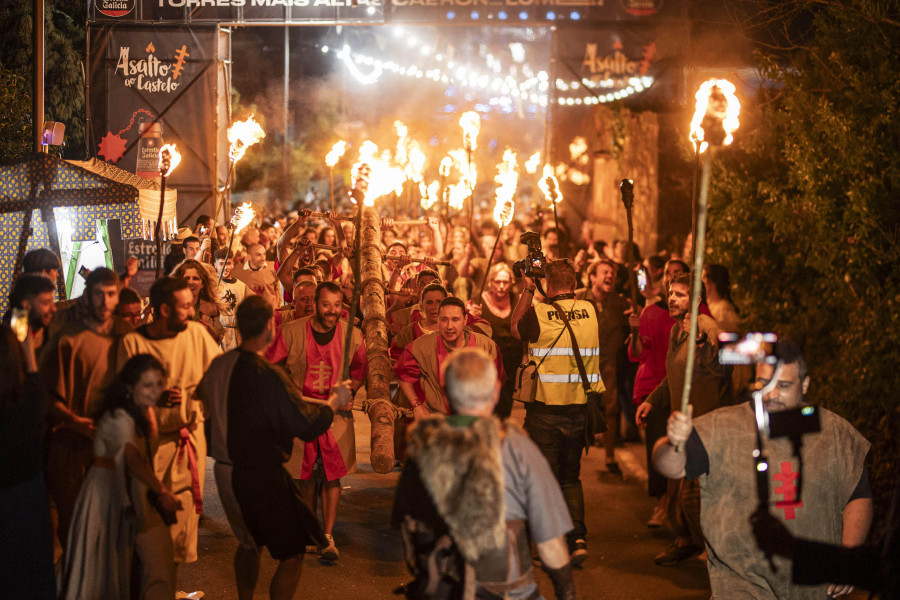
(529, 290)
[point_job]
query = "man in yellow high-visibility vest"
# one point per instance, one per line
(556, 419)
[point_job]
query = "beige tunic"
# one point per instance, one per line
(262, 281)
(186, 357)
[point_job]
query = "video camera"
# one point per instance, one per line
(533, 264)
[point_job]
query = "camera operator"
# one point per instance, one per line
(835, 505)
(556, 419)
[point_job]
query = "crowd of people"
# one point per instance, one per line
(251, 353)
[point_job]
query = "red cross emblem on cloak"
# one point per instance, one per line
(788, 490)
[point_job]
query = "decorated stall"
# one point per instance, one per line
(52, 203)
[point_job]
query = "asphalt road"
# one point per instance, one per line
(621, 547)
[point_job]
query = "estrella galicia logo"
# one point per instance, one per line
(641, 8)
(114, 8)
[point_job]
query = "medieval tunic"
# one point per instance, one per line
(721, 455)
(408, 334)
(77, 366)
(262, 281)
(420, 365)
(233, 292)
(180, 460)
(263, 418)
(399, 319)
(711, 383)
(315, 369)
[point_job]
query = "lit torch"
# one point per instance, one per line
(243, 216)
(715, 119)
(471, 124)
(532, 164)
(241, 135)
(429, 194)
(507, 179)
(331, 159)
(169, 158)
(550, 187)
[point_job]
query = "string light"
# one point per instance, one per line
(533, 89)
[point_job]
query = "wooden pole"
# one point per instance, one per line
(695, 292)
(626, 187)
(157, 234)
(382, 412)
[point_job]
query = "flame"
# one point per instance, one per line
(401, 157)
(507, 179)
(242, 135)
(415, 167)
(335, 154)
(169, 158)
(457, 195)
(715, 99)
(385, 178)
(578, 150)
(471, 124)
(532, 164)
(469, 172)
(446, 165)
(429, 194)
(550, 186)
(243, 216)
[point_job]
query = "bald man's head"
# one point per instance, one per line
(256, 256)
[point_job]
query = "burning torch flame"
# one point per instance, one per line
(401, 157)
(446, 165)
(471, 124)
(383, 177)
(716, 115)
(457, 195)
(550, 186)
(578, 150)
(416, 166)
(243, 216)
(532, 164)
(169, 157)
(335, 154)
(429, 194)
(242, 135)
(507, 179)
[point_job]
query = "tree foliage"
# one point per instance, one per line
(64, 50)
(805, 212)
(312, 119)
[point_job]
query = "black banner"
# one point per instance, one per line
(462, 12)
(155, 85)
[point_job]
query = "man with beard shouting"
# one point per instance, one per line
(710, 389)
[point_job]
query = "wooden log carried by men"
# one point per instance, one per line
(382, 412)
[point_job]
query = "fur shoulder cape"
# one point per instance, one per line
(462, 471)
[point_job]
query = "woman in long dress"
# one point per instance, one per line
(498, 301)
(112, 505)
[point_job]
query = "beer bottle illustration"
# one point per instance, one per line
(148, 150)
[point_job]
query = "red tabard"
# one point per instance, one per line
(322, 373)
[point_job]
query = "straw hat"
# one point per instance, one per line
(183, 234)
